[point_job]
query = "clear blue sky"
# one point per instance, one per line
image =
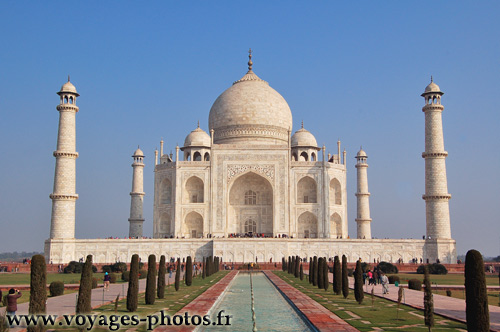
(152, 70)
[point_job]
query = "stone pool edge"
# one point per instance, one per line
(320, 317)
(202, 304)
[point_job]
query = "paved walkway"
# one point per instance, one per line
(322, 318)
(446, 306)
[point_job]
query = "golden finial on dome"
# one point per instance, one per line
(302, 124)
(198, 124)
(68, 77)
(250, 63)
(432, 79)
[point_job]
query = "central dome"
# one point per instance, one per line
(250, 112)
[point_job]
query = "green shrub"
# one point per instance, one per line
(126, 276)
(345, 280)
(337, 276)
(189, 271)
(38, 284)
(83, 305)
(56, 288)
(387, 268)
(415, 284)
(106, 268)
(476, 298)
(133, 285)
(143, 274)
(435, 268)
(177, 283)
(160, 288)
(358, 283)
(448, 292)
(151, 281)
(393, 279)
(112, 278)
(350, 272)
(315, 271)
(76, 267)
(428, 301)
(365, 266)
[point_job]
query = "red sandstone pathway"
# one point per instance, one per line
(202, 304)
(322, 318)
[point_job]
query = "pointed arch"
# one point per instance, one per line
(166, 192)
(306, 190)
(250, 200)
(336, 225)
(165, 225)
(307, 225)
(193, 225)
(303, 156)
(335, 192)
(206, 157)
(194, 190)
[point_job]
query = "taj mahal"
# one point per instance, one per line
(251, 189)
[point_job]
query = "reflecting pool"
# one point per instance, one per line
(272, 311)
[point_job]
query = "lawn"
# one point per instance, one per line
(382, 314)
(67, 278)
(446, 279)
(173, 302)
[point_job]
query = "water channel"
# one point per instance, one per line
(272, 310)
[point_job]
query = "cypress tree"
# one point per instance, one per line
(204, 267)
(428, 300)
(358, 283)
(189, 271)
(297, 267)
(326, 281)
(301, 273)
(292, 268)
(38, 284)
(160, 291)
(315, 271)
(150, 281)
(133, 284)
(337, 278)
(345, 280)
(289, 264)
(321, 275)
(178, 275)
(83, 305)
(476, 299)
(310, 275)
(282, 263)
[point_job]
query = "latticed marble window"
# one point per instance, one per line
(250, 226)
(250, 198)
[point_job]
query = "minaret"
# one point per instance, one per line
(137, 195)
(363, 217)
(437, 212)
(62, 224)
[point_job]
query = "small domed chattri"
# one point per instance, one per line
(432, 87)
(68, 87)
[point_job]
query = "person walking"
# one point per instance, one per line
(385, 284)
(107, 279)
